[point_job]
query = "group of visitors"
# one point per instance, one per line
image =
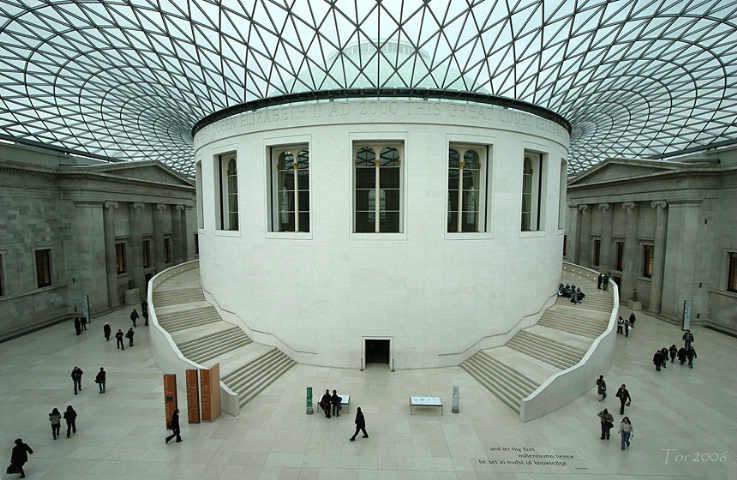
(686, 352)
(624, 326)
(331, 403)
(571, 292)
(80, 324)
(606, 419)
(70, 417)
(602, 281)
(331, 406)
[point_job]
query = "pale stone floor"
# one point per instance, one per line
(685, 420)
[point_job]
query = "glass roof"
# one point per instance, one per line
(129, 79)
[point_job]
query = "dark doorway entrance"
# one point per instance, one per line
(377, 351)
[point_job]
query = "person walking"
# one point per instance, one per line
(129, 335)
(632, 320)
(144, 311)
(77, 379)
(626, 328)
(682, 354)
(77, 326)
(658, 360)
(620, 325)
(687, 339)
(134, 316)
(100, 380)
(55, 419)
(673, 353)
(626, 430)
(119, 337)
(691, 354)
(174, 424)
(601, 387)
(83, 322)
(607, 422)
(107, 330)
(19, 457)
(624, 398)
(360, 424)
(70, 416)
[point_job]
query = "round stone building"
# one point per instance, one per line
(406, 227)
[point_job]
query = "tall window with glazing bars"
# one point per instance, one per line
(532, 191)
(467, 188)
(228, 190)
(290, 189)
(377, 187)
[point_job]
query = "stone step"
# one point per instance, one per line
(253, 377)
(546, 350)
(182, 320)
(182, 295)
(214, 344)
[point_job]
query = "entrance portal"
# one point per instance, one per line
(377, 351)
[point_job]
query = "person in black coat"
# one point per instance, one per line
(673, 353)
(107, 329)
(129, 335)
(325, 403)
(70, 416)
(174, 424)
(624, 398)
(360, 424)
(77, 379)
(134, 316)
(100, 380)
(119, 338)
(682, 354)
(336, 401)
(658, 360)
(77, 326)
(19, 457)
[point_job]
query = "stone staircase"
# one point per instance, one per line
(177, 320)
(559, 341)
(203, 337)
(207, 347)
(253, 377)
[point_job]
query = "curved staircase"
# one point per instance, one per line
(202, 336)
(557, 342)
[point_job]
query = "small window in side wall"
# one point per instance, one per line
(43, 267)
(290, 188)
(167, 250)
(532, 191)
(121, 257)
(565, 245)
(647, 261)
(196, 244)
(619, 256)
(146, 251)
(596, 253)
(732, 272)
(467, 188)
(377, 181)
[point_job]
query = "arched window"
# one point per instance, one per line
(467, 187)
(291, 189)
(377, 188)
(532, 192)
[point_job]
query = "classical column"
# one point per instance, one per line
(176, 233)
(158, 239)
(108, 216)
(656, 282)
(605, 254)
(584, 250)
(135, 262)
(629, 273)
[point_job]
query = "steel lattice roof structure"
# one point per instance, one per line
(129, 79)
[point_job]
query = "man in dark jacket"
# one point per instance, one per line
(360, 425)
(19, 457)
(624, 398)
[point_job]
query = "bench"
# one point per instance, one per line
(425, 402)
(345, 403)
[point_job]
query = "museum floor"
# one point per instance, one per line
(685, 420)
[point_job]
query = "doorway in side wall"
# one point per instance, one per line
(377, 351)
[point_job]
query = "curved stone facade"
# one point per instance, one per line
(381, 239)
